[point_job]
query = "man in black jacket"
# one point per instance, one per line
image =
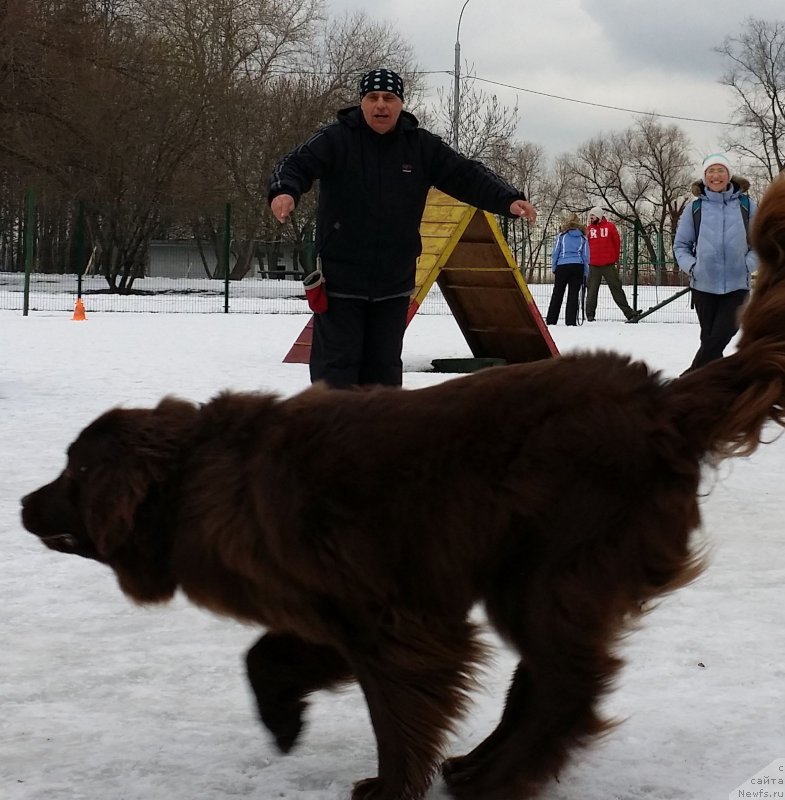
(375, 167)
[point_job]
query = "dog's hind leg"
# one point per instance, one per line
(282, 670)
(565, 641)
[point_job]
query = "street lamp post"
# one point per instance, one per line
(456, 111)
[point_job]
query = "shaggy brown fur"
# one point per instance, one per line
(361, 527)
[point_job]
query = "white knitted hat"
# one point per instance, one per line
(716, 160)
(596, 212)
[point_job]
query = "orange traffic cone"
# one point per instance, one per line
(79, 310)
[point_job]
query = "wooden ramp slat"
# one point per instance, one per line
(300, 351)
(465, 253)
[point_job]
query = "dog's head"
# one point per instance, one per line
(108, 504)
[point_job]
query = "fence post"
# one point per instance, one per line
(227, 252)
(80, 248)
(624, 264)
(635, 256)
(29, 216)
(522, 262)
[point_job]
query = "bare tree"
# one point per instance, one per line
(640, 175)
(277, 89)
(662, 153)
(354, 43)
(345, 49)
(241, 52)
(97, 112)
(485, 125)
(756, 75)
(551, 188)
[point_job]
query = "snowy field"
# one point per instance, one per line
(102, 700)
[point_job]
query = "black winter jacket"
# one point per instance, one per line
(373, 189)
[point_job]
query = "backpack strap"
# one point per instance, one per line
(744, 201)
(696, 216)
(744, 204)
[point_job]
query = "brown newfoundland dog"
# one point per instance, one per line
(360, 528)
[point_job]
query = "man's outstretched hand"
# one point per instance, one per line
(282, 206)
(523, 208)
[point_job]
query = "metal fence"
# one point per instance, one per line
(259, 295)
(175, 278)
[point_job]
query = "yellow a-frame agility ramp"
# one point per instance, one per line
(465, 254)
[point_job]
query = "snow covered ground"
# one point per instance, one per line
(102, 700)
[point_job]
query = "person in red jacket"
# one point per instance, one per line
(604, 249)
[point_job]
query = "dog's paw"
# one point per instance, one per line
(365, 789)
(376, 789)
(285, 722)
(467, 781)
(458, 769)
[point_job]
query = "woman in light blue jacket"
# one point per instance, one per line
(711, 246)
(570, 264)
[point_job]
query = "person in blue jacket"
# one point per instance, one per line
(719, 259)
(375, 166)
(570, 264)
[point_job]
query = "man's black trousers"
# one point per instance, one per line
(359, 342)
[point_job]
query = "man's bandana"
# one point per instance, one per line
(381, 80)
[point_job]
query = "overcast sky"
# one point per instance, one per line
(652, 57)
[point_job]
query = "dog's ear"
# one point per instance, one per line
(113, 493)
(138, 449)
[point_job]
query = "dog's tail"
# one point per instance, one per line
(723, 407)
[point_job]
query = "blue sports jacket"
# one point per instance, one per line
(721, 261)
(571, 247)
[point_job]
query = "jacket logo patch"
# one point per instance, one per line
(407, 168)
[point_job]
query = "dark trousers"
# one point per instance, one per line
(567, 276)
(718, 315)
(359, 342)
(611, 275)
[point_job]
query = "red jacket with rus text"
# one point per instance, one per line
(604, 243)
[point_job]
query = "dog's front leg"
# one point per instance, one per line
(408, 736)
(282, 670)
(415, 684)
